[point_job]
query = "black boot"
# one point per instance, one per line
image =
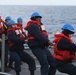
(31, 72)
(7, 69)
(17, 73)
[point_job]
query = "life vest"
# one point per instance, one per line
(30, 37)
(5, 26)
(44, 31)
(18, 33)
(1, 26)
(19, 26)
(62, 54)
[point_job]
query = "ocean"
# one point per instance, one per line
(53, 17)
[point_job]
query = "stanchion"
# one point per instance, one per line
(3, 57)
(3, 53)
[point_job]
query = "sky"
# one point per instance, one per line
(38, 2)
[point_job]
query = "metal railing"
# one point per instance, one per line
(3, 57)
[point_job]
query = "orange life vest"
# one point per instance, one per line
(19, 26)
(62, 54)
(17, 32)
(30, 37)
(1, 26)
(21, 30)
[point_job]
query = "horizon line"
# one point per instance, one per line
(35, 5)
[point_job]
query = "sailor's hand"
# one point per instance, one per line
(26, 41)
(0, 40)
(51, 44)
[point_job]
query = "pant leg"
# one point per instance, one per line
(0, 49)
(68, 68)
(51, 61)
(42, 58)
(15, 57)
(6, 52)
(25, 57)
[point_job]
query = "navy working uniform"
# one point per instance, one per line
(64, 50)
(17, 53)
(38, 43)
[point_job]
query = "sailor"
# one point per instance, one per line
(64, 50)
(17, 53)
(38, 43)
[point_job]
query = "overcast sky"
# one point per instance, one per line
(37, 2)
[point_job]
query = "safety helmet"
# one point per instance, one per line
(68, 27)
(35, 14)
(19, 19)
(11, 22)
(8, 18)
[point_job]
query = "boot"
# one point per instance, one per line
(7, 69)
(17, 73)
(31, 72)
